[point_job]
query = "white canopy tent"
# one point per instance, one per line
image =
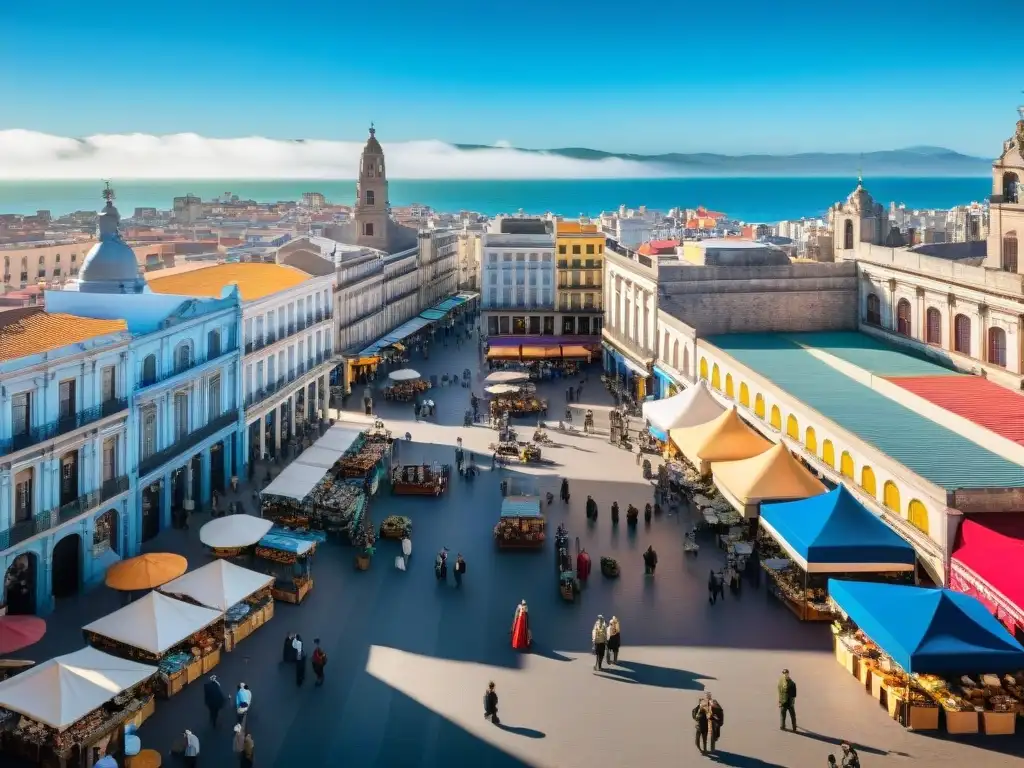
(506, 377)
(154, 624)
(309, 467)
(234, 531)
(690, 408)
(63, 690)
(219, 584)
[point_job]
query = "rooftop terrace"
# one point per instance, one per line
(255, 280)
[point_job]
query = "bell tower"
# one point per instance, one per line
(372, 210)
(1006, 206)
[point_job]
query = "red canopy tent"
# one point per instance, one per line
(988, 563)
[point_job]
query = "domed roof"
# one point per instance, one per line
(110, 266)
(372, 145)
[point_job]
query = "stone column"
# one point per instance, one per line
(190, 503)
(206, 478)
(893, 324)
(291, 415)
(277, 429)
(165, 502)
(921, 320)
(263, 436)
(951, 321)
(983, 330)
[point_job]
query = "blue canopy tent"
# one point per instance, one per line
(929, 631)
(835, 533)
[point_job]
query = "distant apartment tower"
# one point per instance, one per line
(314, 201)
(188, 209)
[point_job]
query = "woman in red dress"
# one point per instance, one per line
(521, 636)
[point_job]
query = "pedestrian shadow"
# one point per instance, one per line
(548, 653)
(655, 677)
(742, 761)
(836, 742)
(518, 730)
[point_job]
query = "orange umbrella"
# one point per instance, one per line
(145, 571)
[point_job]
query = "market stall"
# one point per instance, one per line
(232, 535)
(420, 479)
(773, 475)
(725, 438)
(929, 652)
(182, 639)
(521, 525)
(406, 385)
(289, 559)
(506, 377)
(518, 402)
(690, 408)
(396, 527)
(242, 595)
(829, 535)
(988, 563)
(56, 714)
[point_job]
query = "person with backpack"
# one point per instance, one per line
(460, 569)
(319, 661)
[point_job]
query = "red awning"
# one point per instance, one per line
(992, 546)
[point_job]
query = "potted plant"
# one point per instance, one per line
(364, 543)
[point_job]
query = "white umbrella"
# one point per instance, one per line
(501, 389)
(234, 531)
(505, 377)
(404, 374)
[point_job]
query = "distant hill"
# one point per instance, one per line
(912, 161)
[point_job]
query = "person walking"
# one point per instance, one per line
(700, 725)
(213, 697)
(248, 752)
(406, 549)
(850, 757)
(712, 588)
(599, 637)
(650, 561)
(491, 704)
(238, 743)
(288, 651)
(787, 700)
(319, 661)
(300, 668)
(716, 719)
(243, 700)
(460, 568)
(614, 640)
(191, 749)
(297, 645)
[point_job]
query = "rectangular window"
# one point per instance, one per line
(575, 250)
(561, 249)
(518, 325)
(569, 326)
(180, 416)
(23, 496)
(583, 326)
(67, 400)
(492, 325)
(535, 325)
(549, 325)
(503, 325)
(109, 383)
(21, 411)
(213, 397)
(109, 459)
(590, 248)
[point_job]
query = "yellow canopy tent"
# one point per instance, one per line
(725, 438)
(771, 476)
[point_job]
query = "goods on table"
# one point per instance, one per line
(360, 462)
(519, 404)
(520, 532)
(406, 391)
(395, 527)
(420, 479)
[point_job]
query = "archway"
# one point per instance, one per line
(917, 514)
(728, 386)
(744, 395)
(828, 454)
(704, 369)
(67, 566)
(867, 481)
(792, 427)
(20, 585)
(716, 378)
(150, 511)
(759, 406)
(846, 465)
(811, 441)
(848, 235)
(776, 419)
(891, 496)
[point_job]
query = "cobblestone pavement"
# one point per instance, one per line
(409, 658)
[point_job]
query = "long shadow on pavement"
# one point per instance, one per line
(655, 676)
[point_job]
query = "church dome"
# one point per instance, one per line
(110, 266)
(372, 145)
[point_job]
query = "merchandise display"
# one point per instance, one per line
(406, 391)
(289, 558)
(519, 451)
(420, 479)
(395, 527)
(517, 404)
(521, 526)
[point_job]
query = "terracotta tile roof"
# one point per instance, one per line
(30, 330)
(254, 280)
(988, 405)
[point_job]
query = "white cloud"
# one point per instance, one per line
(32, 155)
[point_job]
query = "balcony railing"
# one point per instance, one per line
(65, 513)
(187, 442)
(195, 362)
(264, 391)
(319, 316)
(63, 426)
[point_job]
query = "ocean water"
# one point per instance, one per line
(747, 199)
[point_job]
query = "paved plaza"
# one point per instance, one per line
(409, 658)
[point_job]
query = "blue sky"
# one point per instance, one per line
(732, 77)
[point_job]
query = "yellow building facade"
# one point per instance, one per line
(579, 254)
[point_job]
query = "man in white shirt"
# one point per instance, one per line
(191, 749)
(297, 645)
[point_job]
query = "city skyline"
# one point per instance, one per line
(775, 81)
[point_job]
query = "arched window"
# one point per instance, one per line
(149, 370)
(759, 406)
(792, 427)
(903, 324)
(728, 386)
(828, 454)
(716, 377)
(675, 355)
(891, 496)
(1010, 252)
(1011, 188)
(744, 395)
(811, 441)
(846, 465)
(867, 481)
(148, 434)
(934, 326)
(213, 343)
(962, 334)
(42, 261)
(368, 229)
(703, 369)
(776, 420)
(686, 361)
(917, 514)
(874, 310)
(997, 347)
(664, 347)
(848, 235)
(183, 356)
(369, 197)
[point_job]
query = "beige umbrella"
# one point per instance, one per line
(506, 377)
(501, 389)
